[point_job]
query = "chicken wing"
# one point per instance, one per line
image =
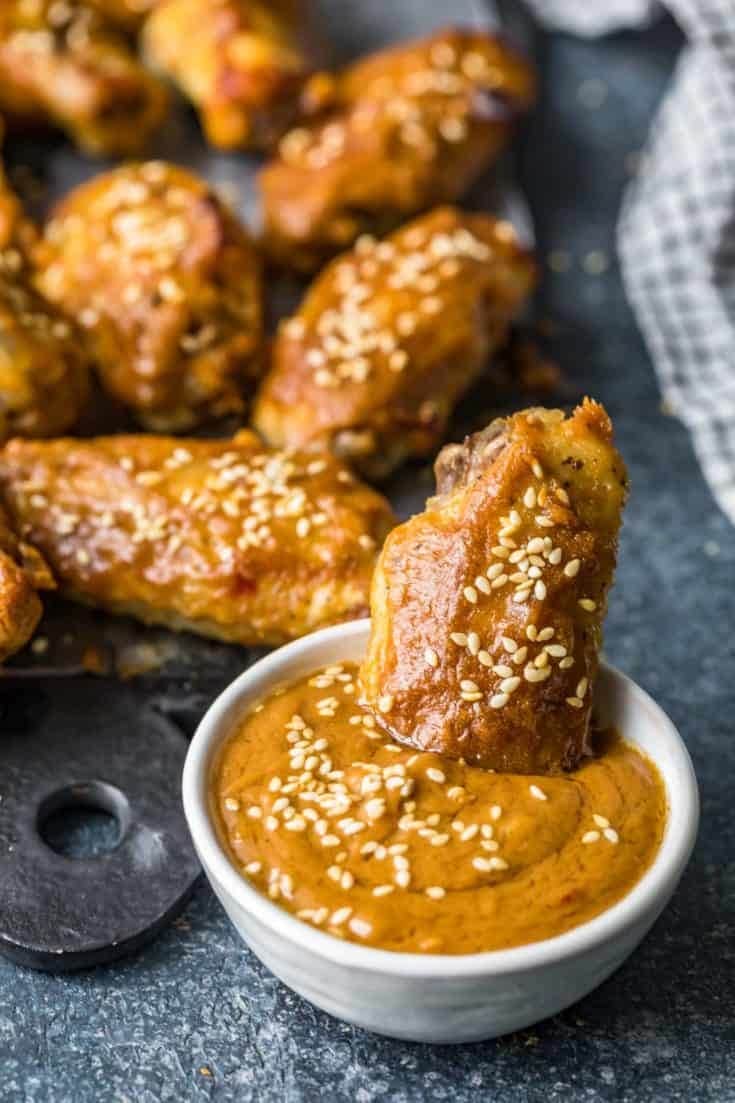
(60, 63)
(223, 538)
(488, 607)
(166, 285)
(390, 336)
(22, 573)
(408, 128)
(44, 375)
(242, 63)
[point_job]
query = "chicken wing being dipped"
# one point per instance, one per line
(165, 283)
(242, 63)
(61, 64)
(22, 573)
(407, 128)
(488, 607)
(391, 335)
(224, 538)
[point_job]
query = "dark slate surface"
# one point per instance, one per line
(195, 1017)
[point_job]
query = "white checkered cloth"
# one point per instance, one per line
(676, 235)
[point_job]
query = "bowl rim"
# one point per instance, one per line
(646, 898)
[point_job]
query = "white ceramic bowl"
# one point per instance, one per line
(433, 998)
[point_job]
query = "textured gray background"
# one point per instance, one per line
(195, 1016)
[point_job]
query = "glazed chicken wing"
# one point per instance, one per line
(488, 607)
(390, 336)
(22, 573)
(242, 63)
(165, 282)
(224, 538)
(408, 128)
(44, 375)
(60, 63)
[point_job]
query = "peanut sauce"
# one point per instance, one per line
(382, 845)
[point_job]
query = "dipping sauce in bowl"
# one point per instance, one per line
(408, 851)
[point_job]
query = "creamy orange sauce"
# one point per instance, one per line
(401, 850)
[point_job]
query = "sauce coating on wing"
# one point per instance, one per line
(390, 336)
(488, 607)
(221, 537)
(165, 282)
(407, 128)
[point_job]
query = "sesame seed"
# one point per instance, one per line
(383, 890)
(360, 927)
(341, 915)
(533, 674)
(537, 793)
(436, 775)
(459, 638)
(537, 469)
(510, 685)
(500, 552)
(502, 670)
(473, 643)
(482, 584)
(471, 594)
(611, 834)
(587, 604)
(385, 702)
(556, 650)
(590, 837)
(532, 631)
(582, 687)
(485, 658)
(601, 821)
(571, 569)
(575, 702)
(436, 892)
(494, 570)
(566, 663)
(555, 557)
(539, 590)
(231, 804)
(499, 700)
(431, 657)
(253, 867)
(255, 812)
(456, 792)
(346, 881)
(469, 832)
(495, 812)
(529, 498)
(402, 878)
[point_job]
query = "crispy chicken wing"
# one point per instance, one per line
(487, 608)
(242, 63)
(22, 573)
(390, 336)
(44, 375)
(224, 538)
(165, 281)
(60, 63)
(408, 128)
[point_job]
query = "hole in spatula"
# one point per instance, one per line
(84, 821)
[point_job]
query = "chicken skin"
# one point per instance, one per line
(61, 64)
(488, 607)
(44, 375)
(224, 538)
(407, 128)
(242, 63)
(166, 285)
(128, 14)
(390, 336)
(22, 573)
